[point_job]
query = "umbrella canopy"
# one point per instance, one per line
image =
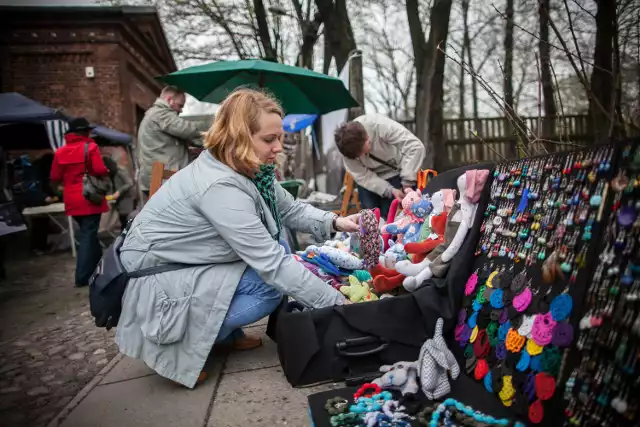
(15, 107)
(299, 90)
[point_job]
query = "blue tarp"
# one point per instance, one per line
(297, 122)
(15, 107)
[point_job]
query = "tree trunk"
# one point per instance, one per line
(429, 102)
(465, 47)
(549, 103)
(337, 27)
(419, 44)
(508, 71)
(356, 86)
(602, 82)
(310, 38)
(270, 53)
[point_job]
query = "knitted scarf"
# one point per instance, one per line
(265, 183)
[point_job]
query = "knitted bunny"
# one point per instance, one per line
(358, 291)
(434, 362)
(399, 376)
(394, 254)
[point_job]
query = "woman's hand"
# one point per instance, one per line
(349, 223)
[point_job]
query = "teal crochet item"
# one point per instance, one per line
(265, 183)
(362, 275)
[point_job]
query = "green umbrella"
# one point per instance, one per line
(299, 90)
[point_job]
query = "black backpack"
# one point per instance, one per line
(109, 282)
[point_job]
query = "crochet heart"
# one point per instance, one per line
(522, 301)
(561, 307)
(471, 284)
(527, 326)
(542, 332)
(462, 316)
(481, 369)
(545, 386)
(481, 346)
(562, 335)
(536, 412)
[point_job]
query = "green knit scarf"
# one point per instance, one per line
(265, 182)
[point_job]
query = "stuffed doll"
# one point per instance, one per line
(400, 376)
(459, 221)
(402, 223)
(358, 291)
(432, 233)
(394, 254)
(434, 362)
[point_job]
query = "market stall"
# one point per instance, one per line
(538, 307)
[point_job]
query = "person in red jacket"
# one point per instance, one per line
(68, 168)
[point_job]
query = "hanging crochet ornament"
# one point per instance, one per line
(369, 238)
(471, 284)
(536, 412)
(562, 335)
(561, 307)
(542, 332)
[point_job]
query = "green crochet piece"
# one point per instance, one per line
(362, 275)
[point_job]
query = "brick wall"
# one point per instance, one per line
(47, 63)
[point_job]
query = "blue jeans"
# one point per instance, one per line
(370, 200)
(253, 300)
(89, 250)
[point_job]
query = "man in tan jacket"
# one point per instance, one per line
(383, 157)
(164, 136)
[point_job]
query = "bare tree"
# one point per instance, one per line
(546, 80)
(430, 64)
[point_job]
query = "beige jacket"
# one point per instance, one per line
(164, 137)
(393, 143)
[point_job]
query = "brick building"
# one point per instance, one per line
(97, 62)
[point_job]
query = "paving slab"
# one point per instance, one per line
(261, 398)
(265, 356)
(127, 369)
(147, 401)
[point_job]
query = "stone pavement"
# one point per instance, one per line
(243, 388)
(49, 347)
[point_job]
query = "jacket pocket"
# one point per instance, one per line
(165, 319)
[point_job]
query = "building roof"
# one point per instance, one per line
(89, 12)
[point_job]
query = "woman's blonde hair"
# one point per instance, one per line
(229, 138)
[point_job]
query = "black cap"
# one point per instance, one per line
(79, 124)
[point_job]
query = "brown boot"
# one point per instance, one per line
(247, 342)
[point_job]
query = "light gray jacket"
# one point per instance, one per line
(209, 215)
(164, 137)
(392, 143)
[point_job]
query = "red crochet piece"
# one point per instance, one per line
(367, 390)
(379, 270)
(383, 284)
(438, 225)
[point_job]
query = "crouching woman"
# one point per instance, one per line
(223, 215)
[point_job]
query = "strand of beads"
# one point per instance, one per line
(479, 417)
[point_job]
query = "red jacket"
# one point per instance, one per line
(68, 168)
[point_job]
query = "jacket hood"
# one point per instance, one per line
(74, 148)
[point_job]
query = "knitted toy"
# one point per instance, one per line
(441, 203)
(394, 254)
(358, 291)
(385, 279)
(370, 242)
(400, 376)
(459, 221)
(434, 362)
(398, 227)
(339, 257)
(408, 268)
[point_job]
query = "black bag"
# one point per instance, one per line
(109, 282)
(351, 342)
(94, 189)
